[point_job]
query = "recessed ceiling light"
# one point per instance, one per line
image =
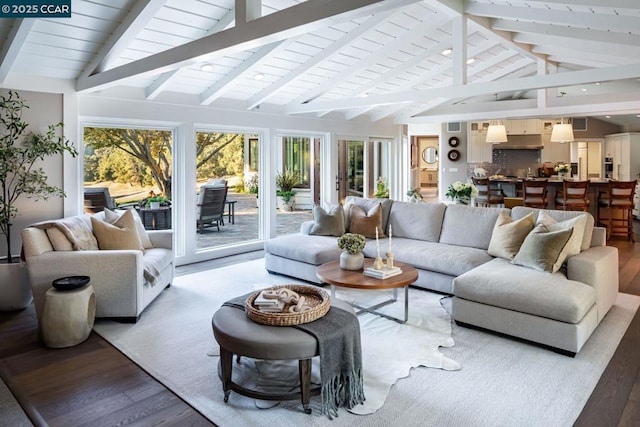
(584, 89)
(364, 95)
(258, 76)
(206, 67)
(471, 61)
(447, 52)
(597, 83)
(637, 115)
(608, 117)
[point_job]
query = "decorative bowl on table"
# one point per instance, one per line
(317, 298)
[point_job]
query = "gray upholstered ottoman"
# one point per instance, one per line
(239, 335)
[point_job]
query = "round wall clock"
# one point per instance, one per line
(453, 155)
(454, 141)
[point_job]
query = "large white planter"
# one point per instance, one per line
(286, 206)
(15, 290)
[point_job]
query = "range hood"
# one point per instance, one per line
(520, 142)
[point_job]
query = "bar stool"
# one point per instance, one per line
(575, 196)
(487, 196)
(617, 199)
(534, 193)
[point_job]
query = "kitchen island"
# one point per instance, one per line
(512, 188)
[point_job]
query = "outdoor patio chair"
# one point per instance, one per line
(211, 206)
(96, 199)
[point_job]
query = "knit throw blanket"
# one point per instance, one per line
(338, 336)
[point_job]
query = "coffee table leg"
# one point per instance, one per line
(373, 309)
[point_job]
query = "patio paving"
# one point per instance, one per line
(246, 223)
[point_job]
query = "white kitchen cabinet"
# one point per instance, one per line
(554, 152)
(624, 148)
(523, 127)
(478, 151)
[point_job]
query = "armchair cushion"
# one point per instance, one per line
(111, 217)
(122, 234)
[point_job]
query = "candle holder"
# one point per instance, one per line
(389, 260)
(378, 264)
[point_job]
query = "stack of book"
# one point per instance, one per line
(382, 274)
(268, 305)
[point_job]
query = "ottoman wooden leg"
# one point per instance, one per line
(226, 368)
(304, 367)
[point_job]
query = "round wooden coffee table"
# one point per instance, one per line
(331, 273)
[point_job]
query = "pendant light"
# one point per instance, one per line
(562, 132)
(496, 133)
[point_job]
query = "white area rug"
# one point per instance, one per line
(502, 381)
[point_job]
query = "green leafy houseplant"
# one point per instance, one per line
(285, 182)
(352, 242)
(20, 153)
(462, 192)
(382, 188)
(159, 199)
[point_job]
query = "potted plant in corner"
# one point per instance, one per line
(20, 175)
(286, 195)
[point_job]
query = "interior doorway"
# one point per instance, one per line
(428, 164)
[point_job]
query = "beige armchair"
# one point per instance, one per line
(122, 286)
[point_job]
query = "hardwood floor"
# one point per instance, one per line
(94, 384)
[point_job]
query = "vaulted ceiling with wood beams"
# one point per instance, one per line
(410, 61)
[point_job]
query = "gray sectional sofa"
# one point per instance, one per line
(448, 245)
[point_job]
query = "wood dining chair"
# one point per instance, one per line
(617, 201)
(575, 196)
(487, 195)
(534, 193)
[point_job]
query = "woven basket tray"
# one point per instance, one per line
(316, 297)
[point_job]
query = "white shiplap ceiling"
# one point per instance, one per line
(347, 58)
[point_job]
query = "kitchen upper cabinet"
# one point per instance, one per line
(624, 148)
(554, 152)
(523, 127)
(478, 151)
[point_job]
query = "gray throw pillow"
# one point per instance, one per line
(328, 223)
(542, 248)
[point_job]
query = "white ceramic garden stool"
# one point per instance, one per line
(68, 315)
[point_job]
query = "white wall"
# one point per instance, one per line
(44, 109)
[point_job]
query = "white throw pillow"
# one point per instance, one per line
(579, 223)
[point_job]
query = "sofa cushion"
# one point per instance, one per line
(508, 235)
(437, 257)
(501, 284)
(313, 250)
(543, 249)
(122, 234)
(469, 226)
(369, 223)
(578, 223)
(329, 223)
(420, 221)
(366, 205)
(520, 211)
(111, 217)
